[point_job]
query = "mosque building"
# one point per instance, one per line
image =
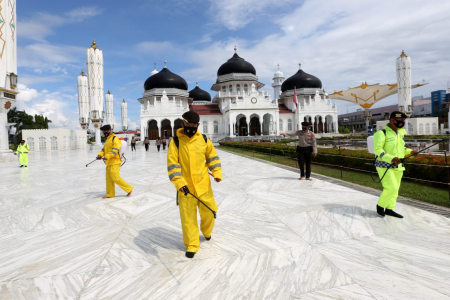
(239, 106)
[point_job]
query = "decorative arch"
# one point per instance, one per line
(289, 125)
(281, 124)
(42, 144)
(216, 127)
(205, 127)
(177, 125)
(255, 125)
(241, 125)
(53, 143)
(30, 142)
(153, 132)
(166, 129)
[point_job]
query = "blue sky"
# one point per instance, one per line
(341, 42)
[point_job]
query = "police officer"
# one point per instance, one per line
(307, 146)
(187, 166)
(111, 155)
(389, 146)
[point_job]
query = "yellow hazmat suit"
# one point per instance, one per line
(112, 153)
(22, 151)
(188, 165)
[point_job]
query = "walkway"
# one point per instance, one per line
(275, 237)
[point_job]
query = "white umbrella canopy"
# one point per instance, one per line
(367, 95)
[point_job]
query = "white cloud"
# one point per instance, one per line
(26, 94)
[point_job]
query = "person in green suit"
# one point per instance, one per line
(22, 151)
(389, 146)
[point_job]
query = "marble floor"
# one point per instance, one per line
(275, 237)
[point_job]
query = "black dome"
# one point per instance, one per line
(236, 64)
(199, 95)
(301, 80)
(165, 80)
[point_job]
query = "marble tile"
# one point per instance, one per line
(347, 292)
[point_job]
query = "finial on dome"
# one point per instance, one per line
(196, 83)
(123, 101)
(82, 73)
(278, 65)
(94, 45)
(154, 65)
(165, 64)
(235, 49)
(299, 66)
(403, 54)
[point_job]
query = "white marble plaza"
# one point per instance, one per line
(275, 237)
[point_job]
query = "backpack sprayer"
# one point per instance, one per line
(370, 148)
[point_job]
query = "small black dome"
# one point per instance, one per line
(199, 95)
(301, 80)
(236, 64)
(165, 80)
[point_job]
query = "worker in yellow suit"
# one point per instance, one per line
(111, 155)
(189, 157)
(22, 151)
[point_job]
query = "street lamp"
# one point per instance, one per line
(13, 80)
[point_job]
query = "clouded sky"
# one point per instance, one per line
(341, 42)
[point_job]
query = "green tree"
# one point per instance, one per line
(25, 121)
(346, 131)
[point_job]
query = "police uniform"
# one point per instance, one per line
(307, 145)
(22, 151)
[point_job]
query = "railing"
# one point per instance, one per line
(345, 162)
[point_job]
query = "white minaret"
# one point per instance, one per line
(154, 71)
(83, 100)
(94, 65)
(278, 79)
(8, 71)
(109, 103)
(404, 84)
(124, 115)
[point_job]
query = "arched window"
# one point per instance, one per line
(246, 88)
(230, 88)
(54, 143)
(281, 125)
(42, 144)
(289, 125)
(434, 128)
(205, 127)
(30, 142)
(420, 128)
(238, 88)
(427, 128)
(216, 127)
(410, 128)
(224, 89)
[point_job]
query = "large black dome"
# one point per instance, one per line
(301, 80)
(199, 95)
(165, 80)
(236, 64)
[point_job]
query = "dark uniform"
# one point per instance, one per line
(307, 146)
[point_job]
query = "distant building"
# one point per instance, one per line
(438, 99)
(356, 120)
(421, 107)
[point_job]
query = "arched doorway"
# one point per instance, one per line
(177, 125)
(153, 130)
(255, 126)
(242, 125)
(166, 129)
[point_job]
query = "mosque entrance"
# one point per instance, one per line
(243, 131)
(255, 126)
(177, 125)
(166, 129)
(153, 130)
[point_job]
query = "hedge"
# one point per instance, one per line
(426, 167)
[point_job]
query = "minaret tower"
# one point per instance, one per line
(8, 71)
(404, 84)
(94, 65)
(83, 100)
(278, 79)
(109, 104)
(124, 116)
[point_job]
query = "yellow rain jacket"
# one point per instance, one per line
(189, 164)
(111, 151)
(390, 145)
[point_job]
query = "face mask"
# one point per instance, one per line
(106, 134)
(304, 128)
(399, 124)
(190, 131)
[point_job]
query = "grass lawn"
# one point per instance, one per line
(410, 189)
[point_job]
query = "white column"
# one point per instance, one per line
(404, 84)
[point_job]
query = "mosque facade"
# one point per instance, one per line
(239, 106)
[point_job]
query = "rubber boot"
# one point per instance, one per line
(380, 211)
(392, 213)
(190, 254)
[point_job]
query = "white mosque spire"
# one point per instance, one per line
(109, 107)
(94, 65)
(278, 79)
(404, 84)
(83, 100)
(124, 116)
(154, 71)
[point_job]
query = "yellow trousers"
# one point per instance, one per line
(112, 178)
(23, 159)
(188, 213)
(391, 185)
